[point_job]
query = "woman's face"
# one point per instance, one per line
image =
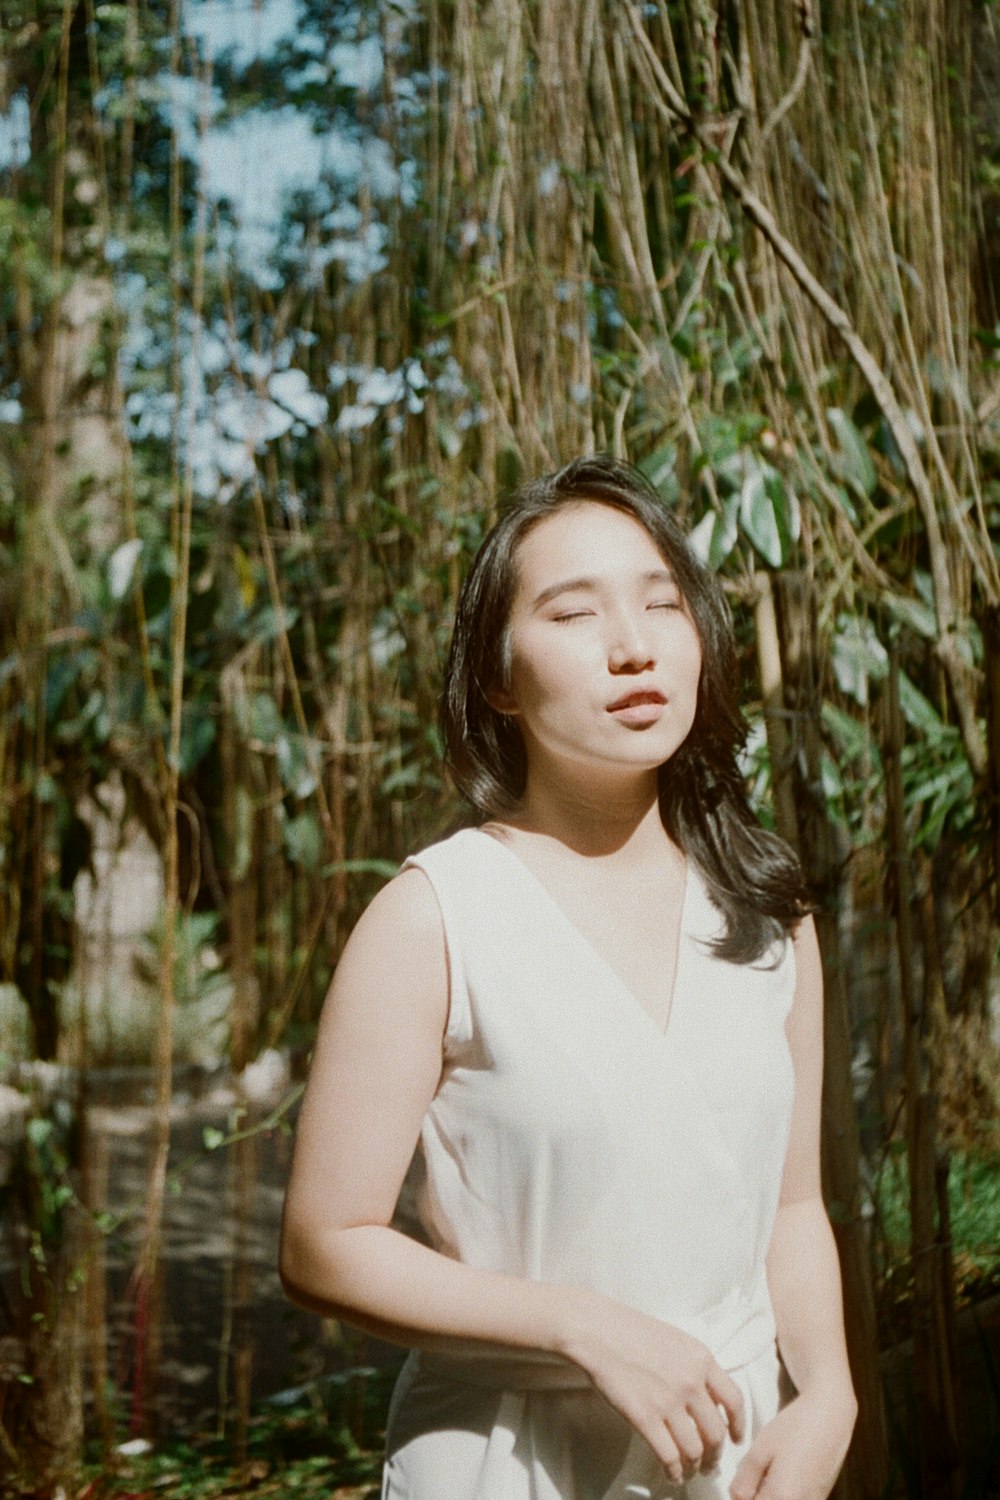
(605, 658)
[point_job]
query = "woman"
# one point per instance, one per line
(594, 1024)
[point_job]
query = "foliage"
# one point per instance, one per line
(974, 1207)
(325, 1441)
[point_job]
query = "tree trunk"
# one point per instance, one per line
(866, 1471)
(934, 1373)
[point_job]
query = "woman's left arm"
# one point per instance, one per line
(799, 1454)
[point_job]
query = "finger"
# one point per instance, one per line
(686, 1434)
(726, 1393)
(712, 1429)
(750, 1475)
(669, 1455)
(650, 1425)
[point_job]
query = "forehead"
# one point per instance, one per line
(586, 536)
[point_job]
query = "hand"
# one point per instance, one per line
(799, 1454)
(665, 1383)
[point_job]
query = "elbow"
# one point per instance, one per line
(299, 1259)
(290, 1269)
(308, 1271)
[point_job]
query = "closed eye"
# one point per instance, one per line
(575, 614)
(665, 604)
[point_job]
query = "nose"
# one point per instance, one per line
(629, 649)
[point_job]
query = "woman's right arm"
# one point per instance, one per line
(375, 1070)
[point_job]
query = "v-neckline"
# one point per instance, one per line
(659, 1028)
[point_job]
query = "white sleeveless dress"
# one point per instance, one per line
(572, 1140)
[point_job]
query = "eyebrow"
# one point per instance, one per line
(585, 585)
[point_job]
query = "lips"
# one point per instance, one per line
(640, 698)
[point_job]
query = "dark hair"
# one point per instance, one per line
(752, 875)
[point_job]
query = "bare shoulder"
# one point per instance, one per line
(406, 907)
(394, 963)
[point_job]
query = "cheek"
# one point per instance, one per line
(544, 672)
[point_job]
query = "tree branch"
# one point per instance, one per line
(951, 645)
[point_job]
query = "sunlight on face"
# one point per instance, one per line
(605, 657)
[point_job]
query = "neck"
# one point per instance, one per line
(593, 820)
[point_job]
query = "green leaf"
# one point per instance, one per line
(854, 462)
(212, 1138)
(918, 616)
(197, 736)
(660, 467)
(846, 504)
(858, 657)
(271, 622)
(787, 514)
(757, 517)
(304, 840)
(121, 567)
(716, 535)
(832, 780)
(918, 711)
(38, 1131)
(297, 775)
(262, 720)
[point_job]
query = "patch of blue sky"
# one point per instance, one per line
(353, 160)
(214, 353)
(450, 381)
(409, 182)
(548, 179)
(345, 217)
(358, 65)
(339, 375)
(15, 133)
(150, 414)
(354, 418)
(361, 257)
(385, 640)
(299, 159)
(253, 420)
(382, 387)
(258, 363)
(242, 31)
(115, 250)
(130, 292)
(188, 106)
(11, 411)
(230, 159)
(139, 349)
(378, 390)
(291, 388)
(409, 96)
(312, 72)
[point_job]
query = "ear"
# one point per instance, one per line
(502, 701)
